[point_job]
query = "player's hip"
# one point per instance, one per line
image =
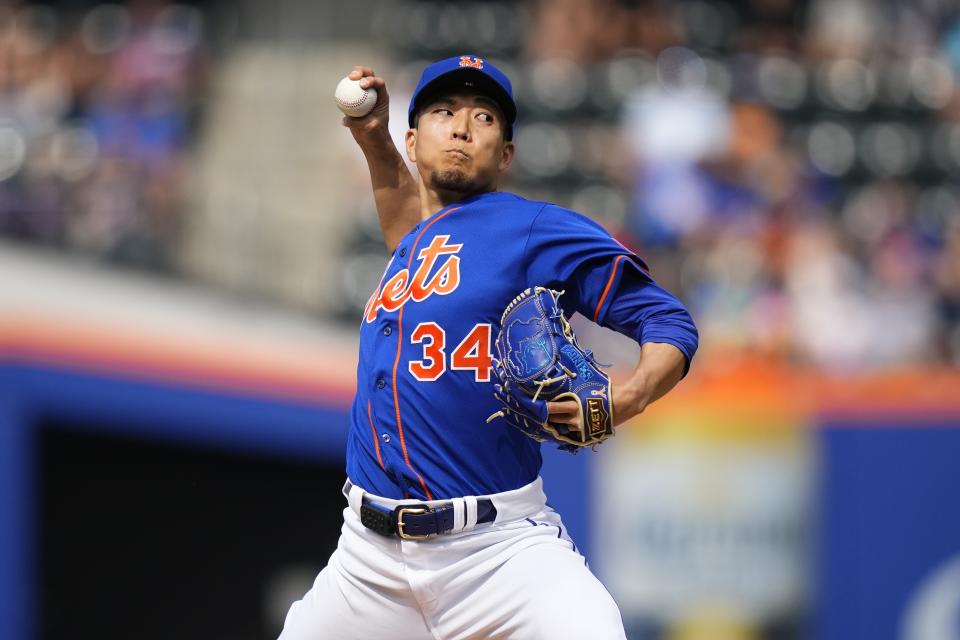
(435, 520)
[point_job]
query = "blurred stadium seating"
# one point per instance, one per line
(788, 167)
(781, 163)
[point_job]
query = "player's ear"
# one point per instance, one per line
(506, 156)
(410, 141)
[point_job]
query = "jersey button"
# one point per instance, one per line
(386, 437)
(403, 251)
(381, 383)
(387, 330)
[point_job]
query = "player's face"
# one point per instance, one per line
(458, 144)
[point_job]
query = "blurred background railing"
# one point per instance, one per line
(181, 211)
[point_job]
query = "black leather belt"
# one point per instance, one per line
(417, 521)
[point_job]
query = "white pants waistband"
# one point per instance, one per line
(511, 505)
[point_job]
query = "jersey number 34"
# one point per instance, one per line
(471, 354)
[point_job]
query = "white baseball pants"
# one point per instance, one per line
(518, 577)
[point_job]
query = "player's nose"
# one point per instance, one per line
(460, 128)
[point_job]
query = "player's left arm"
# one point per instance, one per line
(660, 368)
(643, 310)
(611, 286)
(664, 358)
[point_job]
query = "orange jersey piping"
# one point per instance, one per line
(613, 272)
(376, 441)
(396, 398)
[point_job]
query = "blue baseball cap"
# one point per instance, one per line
(465, 71)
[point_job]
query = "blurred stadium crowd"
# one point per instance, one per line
(96, 113)
(789, 168)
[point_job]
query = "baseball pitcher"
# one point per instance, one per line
(467, 366)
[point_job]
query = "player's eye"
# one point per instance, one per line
(443, 110)
(485, 117)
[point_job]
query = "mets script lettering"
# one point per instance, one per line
(401, 287)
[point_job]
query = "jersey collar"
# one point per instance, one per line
(489, 196)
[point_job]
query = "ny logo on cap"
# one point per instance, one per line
(470, 61)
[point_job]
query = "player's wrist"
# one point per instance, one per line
(375, 140)
(377, 145)
(630, 398)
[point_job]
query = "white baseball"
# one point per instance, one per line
(354, 100)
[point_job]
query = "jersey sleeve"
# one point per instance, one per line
(647, 312)
(604, 281)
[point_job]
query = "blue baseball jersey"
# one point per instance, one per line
(424, 378)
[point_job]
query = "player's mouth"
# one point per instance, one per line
(457, 153)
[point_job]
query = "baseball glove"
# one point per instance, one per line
(539, 361)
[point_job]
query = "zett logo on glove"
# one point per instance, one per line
(596, 417)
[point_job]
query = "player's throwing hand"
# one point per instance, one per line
(394, 187)
(372, 127)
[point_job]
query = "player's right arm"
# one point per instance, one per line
(395, 190)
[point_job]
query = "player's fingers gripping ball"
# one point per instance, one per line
(352, 99)
(539, 361)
